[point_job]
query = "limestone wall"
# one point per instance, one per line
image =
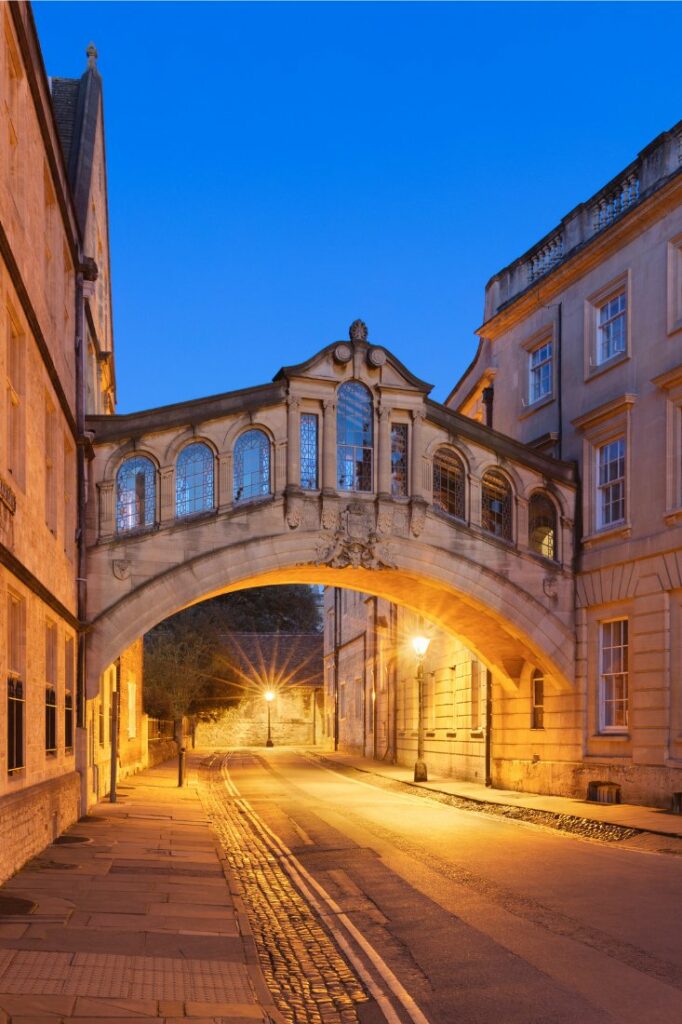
(32, 817)
(296, 720)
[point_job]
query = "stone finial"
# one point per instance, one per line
(92, 55)
(358, 331)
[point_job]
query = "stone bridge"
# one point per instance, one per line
(342, 471)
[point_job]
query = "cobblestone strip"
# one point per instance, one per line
(310, 980)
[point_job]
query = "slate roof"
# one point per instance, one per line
(275, 660)
(76, 103)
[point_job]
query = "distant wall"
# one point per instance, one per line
(296, 719)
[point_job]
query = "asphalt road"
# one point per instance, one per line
(481, 920)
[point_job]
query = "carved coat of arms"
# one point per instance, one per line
(355, 543)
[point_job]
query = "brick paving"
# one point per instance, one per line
(136, 923)
(311, 981)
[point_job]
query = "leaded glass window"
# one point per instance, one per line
(194, 480)
(542, 526)
(309, 451)
(496, 505)
(354, 437)
(135, 494)
(251, 465)
(448, 482)
(399, 460)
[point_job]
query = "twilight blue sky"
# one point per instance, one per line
(278, 169)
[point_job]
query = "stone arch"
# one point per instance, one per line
(182, 440)
(126, 451)
(503, 624)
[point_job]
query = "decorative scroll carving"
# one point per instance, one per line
(384, 519)
(417, 516)
(294, 512)
(549, 586)
(355, 543)
(331, 516)
(121, 568)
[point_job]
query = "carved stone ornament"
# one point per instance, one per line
(417, 516)
(355, 544)
(121, 568)
(358, 331)
(384, 519)
(550, 588)
(376, 357)
(294, 510)
(343, 353)
(330, 516)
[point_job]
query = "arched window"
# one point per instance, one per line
(194, 475)
(251, 465)
(448, 482)
(496, 505)
(354, 433)
(542, 526)
(135, 494)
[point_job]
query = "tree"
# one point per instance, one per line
(187, 673)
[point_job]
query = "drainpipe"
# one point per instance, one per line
(488, 726)
(488, 396)
(393, 680)
(115, 728)
(375, 676)
(80, 502)
(559, 374)
(337, 627)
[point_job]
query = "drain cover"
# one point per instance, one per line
(68, 840)
(12, 905)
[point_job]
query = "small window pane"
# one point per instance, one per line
(194, 480)
(540, 372)
(309, 451)
(354, 437)
(399, 460)
(542, 526)
(611, 483)
(251, 466)
(50, 720)
(612, 328)
(135, 494)
(448, 483)
(15, 724)
(613, 697)
(496, 505)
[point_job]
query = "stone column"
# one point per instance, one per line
(329, 446)
(224, 479)
(417, 489)
(293, 443)
(521, 524)
(167, 503)
(384, 452)
(107, 526)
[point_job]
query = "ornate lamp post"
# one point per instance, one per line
(420, 645)
(269, 697)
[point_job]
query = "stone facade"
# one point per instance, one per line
(54, 293)
(604, 292)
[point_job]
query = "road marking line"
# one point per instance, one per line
(304, 880)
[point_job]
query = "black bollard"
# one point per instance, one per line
(181, 767)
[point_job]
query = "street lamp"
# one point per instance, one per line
(269, 697)
(420, 645)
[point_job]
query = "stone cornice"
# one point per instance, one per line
(606, 411)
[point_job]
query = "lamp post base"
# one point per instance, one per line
(269, 743)
(420, 772)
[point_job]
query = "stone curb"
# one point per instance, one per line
(512, 812)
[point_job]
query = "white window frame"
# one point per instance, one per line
(671, 385)
(599, 427)
(596, 362)
(613, 312)
(674, 297)
(530, 400)
(607, 454)
(620, 727)
(540, 385)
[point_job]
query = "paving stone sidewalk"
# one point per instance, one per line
(129, 917)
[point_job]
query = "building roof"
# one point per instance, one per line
(275, 660)
(76, 103)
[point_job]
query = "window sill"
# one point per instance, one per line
(16, 773)
(673, 517)
(533, 407)
(623, 530)
(608, 364)
(476, 734)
